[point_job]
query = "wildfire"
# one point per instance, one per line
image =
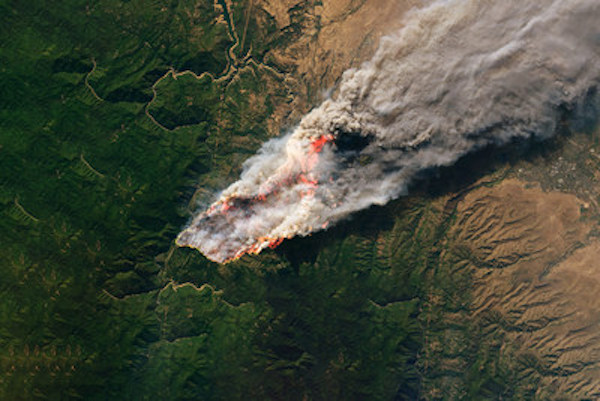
(289, 175)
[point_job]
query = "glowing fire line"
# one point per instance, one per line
(271, 188)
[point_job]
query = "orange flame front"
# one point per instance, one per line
(306, 177)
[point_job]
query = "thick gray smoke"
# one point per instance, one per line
(460, 75)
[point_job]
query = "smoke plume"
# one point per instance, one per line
(460, 75)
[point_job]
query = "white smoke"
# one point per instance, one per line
(460, 75)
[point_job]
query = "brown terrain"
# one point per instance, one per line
(527, 243)
(536, 275)
(344, 33)
(337, 35)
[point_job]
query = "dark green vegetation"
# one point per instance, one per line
(93, 193)
(102, 147)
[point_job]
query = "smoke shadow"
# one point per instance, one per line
(457, 179)
(431, 184)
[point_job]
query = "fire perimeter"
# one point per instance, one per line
(297, 175)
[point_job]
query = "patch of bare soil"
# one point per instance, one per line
(536, 281)
(335, 35)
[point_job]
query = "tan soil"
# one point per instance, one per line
(337, 35)
(544, 298)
